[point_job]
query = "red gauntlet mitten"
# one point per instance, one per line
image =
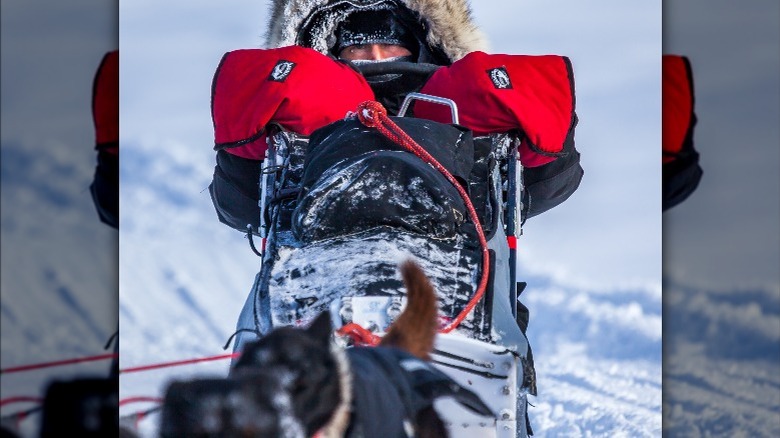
(677, 112)
(105, 114)
(499, 93)
(105, 103)
(681, 169)
(295, 87)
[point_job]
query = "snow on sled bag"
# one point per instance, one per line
(352, 205)
(343, 207)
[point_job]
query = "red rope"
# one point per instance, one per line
(177, 363)
(20, 399)
(374, 115)
(359, 335)
(57, 363)
(139, 399)
(137, 417)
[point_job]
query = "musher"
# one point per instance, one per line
(315, 53)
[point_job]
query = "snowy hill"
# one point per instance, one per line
(721, 360)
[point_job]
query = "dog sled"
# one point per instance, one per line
(340, 209)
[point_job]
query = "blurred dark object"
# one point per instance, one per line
(6, 432)
(681, 170)
(105, 112)
(224, 407)
(84, 407)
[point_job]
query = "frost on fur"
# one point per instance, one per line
(450, 22)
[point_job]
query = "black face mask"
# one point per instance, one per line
(379, 78)
(391, 89)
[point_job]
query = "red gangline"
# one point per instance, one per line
(35, 366)
(57, 363)
(374, 115)
(139, 399)
(20, 399)
(177, 363)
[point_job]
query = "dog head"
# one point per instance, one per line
(287, 384)
(307, 368)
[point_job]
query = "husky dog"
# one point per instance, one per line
(297, 383)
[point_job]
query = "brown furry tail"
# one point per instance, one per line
(416, 327)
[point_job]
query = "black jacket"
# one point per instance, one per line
(391, 386)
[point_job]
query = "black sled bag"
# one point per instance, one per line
(347, 205)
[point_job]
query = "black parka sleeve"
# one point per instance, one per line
(235, 191)
(547, 186)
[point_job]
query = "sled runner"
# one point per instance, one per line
(343, 207)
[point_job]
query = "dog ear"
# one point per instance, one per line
(321, 328)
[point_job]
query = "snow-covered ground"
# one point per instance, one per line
(721, 360)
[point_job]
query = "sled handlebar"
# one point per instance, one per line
(430, 99)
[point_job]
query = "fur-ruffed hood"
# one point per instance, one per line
(449, 23)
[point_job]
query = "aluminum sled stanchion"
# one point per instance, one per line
(514, 229)
(264, 176)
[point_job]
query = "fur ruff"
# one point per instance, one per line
(337, 426)
(451, 24)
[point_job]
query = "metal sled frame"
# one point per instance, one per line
(488, 369)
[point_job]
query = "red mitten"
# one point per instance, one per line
(105, 103)
(298, 88)
(677, 111)
(499, 93)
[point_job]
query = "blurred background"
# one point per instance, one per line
(721, 246)
(59, 283)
